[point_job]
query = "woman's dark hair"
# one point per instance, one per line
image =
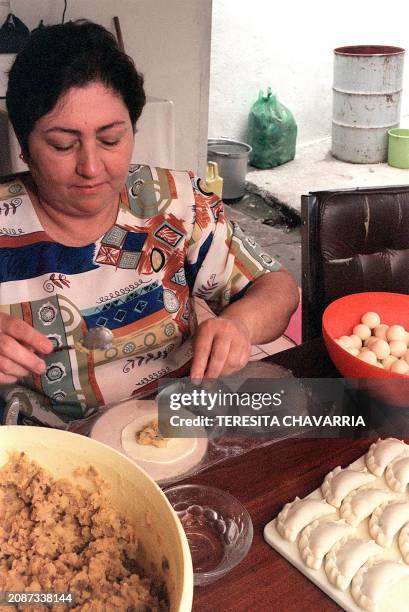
(59, 57)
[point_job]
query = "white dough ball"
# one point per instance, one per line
(378, 364)
(380, 348)
(354, 351)
(362, 331)
(398, 348)
(356, 341)
(345, 342)
(380, 331)
(367, 356)
(389, 361)
(371, 319)
(400, 367)
(396, 332)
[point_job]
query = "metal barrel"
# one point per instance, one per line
(366, 101)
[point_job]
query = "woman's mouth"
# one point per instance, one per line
(89, 188)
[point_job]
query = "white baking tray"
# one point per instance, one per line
(395, 601)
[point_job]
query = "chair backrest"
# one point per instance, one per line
(352, 241)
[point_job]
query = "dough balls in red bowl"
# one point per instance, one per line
(367, 337)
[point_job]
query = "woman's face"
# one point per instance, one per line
(80, 151)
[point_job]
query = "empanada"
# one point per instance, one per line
(360, 503)
(317, 538)
(403, 542)
(373, 578)
(298, 514)
(397, 474)
(346, 557)
(338, 483)
(387, 519)
(382, 452)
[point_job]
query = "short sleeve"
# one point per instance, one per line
(221, 261)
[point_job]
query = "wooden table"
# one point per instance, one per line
(264, 480)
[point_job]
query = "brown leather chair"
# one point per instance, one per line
(352, 241)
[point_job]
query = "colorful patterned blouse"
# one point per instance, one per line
(170, 241)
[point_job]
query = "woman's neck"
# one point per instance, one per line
(72, 230)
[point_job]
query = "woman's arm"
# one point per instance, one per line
(223, 345)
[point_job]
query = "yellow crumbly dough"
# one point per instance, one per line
(58, 536)
(151, 435)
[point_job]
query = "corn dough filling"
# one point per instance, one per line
(57, 536)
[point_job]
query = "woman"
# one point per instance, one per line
(89, 240)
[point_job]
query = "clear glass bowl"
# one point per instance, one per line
(217, 526)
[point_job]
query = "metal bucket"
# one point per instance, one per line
(231, 157)
(366, 101)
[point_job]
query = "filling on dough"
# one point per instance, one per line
(151, 435)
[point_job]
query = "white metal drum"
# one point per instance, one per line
(366, 101)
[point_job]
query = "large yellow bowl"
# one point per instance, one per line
(131, 491)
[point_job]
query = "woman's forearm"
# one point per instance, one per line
(266, 307)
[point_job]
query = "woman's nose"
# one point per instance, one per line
(89, 163)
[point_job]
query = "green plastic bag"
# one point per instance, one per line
(272, 132)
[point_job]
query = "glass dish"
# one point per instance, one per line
(218, 528)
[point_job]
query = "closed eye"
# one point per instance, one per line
(110, 143)
(62, 148)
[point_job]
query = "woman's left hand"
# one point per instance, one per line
(221, 346)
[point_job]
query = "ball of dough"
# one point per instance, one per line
(354, 351)
(362, 331)
(381, 349)
(345, 342)
(371, 319)
(389, 361)
(380, 331)
(396, 332)
(367, 356)
(400, 367)
(356, 341)
(398, 348)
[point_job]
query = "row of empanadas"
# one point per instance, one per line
(326, 528)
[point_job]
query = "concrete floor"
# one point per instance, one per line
(270, 210)
(314, 169)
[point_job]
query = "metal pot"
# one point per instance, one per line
(231, 157)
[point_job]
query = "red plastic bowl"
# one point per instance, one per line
(341, 316)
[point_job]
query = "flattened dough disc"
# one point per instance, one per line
(117, 428)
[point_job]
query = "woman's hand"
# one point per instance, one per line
(221, 346)
(19, 343)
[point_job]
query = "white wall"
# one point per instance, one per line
(289, 45)
(169, 41)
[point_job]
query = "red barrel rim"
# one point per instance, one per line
(368, 50)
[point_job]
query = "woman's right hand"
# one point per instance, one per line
(19, 343)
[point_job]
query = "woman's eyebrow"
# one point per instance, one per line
(78, 132)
